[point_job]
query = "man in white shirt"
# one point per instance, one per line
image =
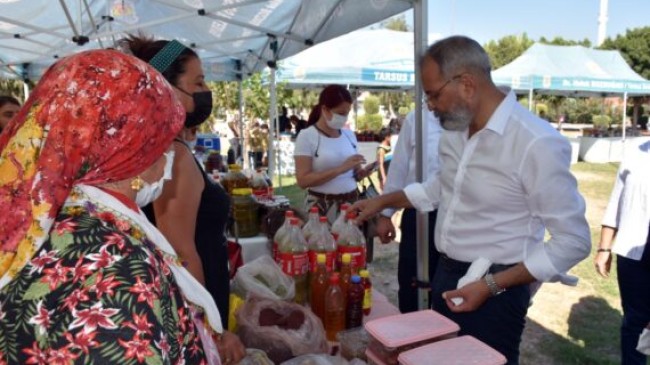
(401, 174)
(504, 180)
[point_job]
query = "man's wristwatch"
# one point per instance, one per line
(492, 285)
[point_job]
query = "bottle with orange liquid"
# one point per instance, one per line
(346, 273)
(334, 308)
(318, 287)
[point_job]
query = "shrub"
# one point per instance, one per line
(370, 122)
(371, 105)
(403, 110)
(601, 121)
(584, 118)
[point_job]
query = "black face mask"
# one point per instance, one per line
(202, 108)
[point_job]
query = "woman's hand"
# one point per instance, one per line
(231, 350)
(603, 263)
(353, 162)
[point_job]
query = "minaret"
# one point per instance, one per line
(602, 23)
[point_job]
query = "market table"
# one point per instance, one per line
(253, 247)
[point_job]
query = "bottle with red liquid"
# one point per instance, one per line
(367, 295)
(352, 241)
(294, 260)
(322, 242)
(334, 308)
(354, 304)
(318, 287)
(280, 234)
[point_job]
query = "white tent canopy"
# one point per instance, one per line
(233, 37)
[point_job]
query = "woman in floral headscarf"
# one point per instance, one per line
(84, 277)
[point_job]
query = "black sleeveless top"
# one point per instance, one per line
(211, 243)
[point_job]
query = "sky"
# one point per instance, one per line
(486, 20)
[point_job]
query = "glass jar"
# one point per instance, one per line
(244, 212)
(235, 179)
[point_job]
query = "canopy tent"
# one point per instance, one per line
(233, 37)
(571, 71)
(370, 58)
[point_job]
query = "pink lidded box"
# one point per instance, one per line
(390, 336)
(463, 350)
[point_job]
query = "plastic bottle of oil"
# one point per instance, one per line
(352, 241)
(294, 260)
(280, 234)
(339, 223)
(322, 242)
(334, 308)
(312, 223)
(367, 288)
(318, 287)
(346, 274)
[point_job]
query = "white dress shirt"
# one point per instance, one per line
(498, 191)
(402, 167)
(628, 210)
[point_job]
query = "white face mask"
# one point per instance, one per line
(337, 121)
(150, 192)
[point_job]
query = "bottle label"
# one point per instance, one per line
(358, 254)
(294, 264)
(367, 298)
(330, 258)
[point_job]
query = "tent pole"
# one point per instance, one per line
(242, 141)
(624, 117)
(25, 90)
(273, 125)
(530, 99)
(420, 34)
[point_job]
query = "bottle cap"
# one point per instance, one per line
(321, 258)
(364, 273)
(350, 215)
(293, 221)
(356, 279)
(344, 207)
(242, 191)
(334, 278)
(322, 219)
(313, 210)
(289, 214)
(347, 258)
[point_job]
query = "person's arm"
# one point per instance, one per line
(177, 208)
(307, 178)
(381, 155)
(603, 258)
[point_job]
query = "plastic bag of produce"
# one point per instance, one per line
(316, 360)
(282, 330)
(262, 277)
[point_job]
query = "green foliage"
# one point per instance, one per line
(559, 41)
(585, 118)
(13, 88)
(634, 47)
(371, 104)
(601, 121)
(370, 122)
(506, 49)
(541, 109)
(403, 110)
(397, 23)
(395, 100)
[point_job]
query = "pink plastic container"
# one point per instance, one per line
(390, 336)
(464, 350)
(373, 359)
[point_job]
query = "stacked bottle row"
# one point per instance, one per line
(318, 251)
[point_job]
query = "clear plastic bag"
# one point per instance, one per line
(280, 343)
(262, 277)
(316, 360)
(256, 357)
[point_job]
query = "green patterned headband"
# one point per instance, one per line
(167, 55)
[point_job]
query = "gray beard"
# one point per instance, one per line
(458, 120)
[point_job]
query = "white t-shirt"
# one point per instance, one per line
(327, 153)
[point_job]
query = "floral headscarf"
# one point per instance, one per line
(95, 117)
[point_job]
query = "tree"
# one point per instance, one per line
(397, 23)
(395, 100)
(506, 49)
(371, 121)
(559, 41)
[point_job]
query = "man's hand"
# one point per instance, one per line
(366, 208)
(603, 263)
(231, 350)
(473, 295)
(385, 229)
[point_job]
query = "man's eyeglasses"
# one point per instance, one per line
(433, 97)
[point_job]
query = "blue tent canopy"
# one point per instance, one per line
(372, 58)
(571, 71)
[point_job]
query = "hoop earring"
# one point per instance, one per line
(137, 183)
